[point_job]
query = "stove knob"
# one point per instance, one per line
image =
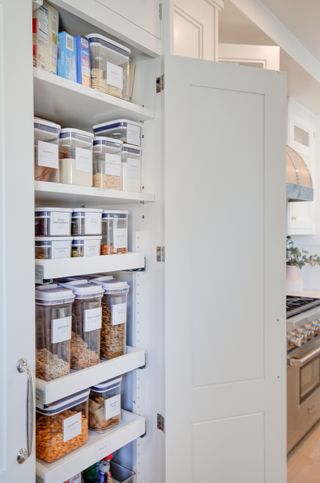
(301, 331)
(295, 339)
(309, 331)
(316, 326)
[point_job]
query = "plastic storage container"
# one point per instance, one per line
(46, 152)
(114, 317)
(120, 474)
(53, 331)
(53, 222)
(86, 221)
(52, 247)
(86, 246)
(75, 153)
(131, 168)
(105, 405)
(127, 131)
(109, 66)
(114, 232)
(107, 173)
(62, 427)
(86, 323)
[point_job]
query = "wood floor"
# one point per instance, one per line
(304, 462)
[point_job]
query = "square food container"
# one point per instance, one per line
(86, 221)
(107, 172)
(75, 153)
(127, 131)
(105, 405)
(86, 246)
(52, 222)
(109, 66)
(114, 232)
(50, 247)
(131, 168)
(46, 151)
(53, 331)
(62, 427)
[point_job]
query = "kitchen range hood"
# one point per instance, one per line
(299, 181)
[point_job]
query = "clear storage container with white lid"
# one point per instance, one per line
(114, 317)
(49, 247)
(123, 129)
(86, 221)
(114, 232)
(53, 331)
(46, 152)
(86, 246)
(107, 173)
(109, 66)
(52, 221)
(75, 153)
(131, 168)
(86, 323)
(105, 405)
(62, 426)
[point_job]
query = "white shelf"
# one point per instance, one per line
(99, 445)
(74, 105)
(59, 193)
(68, 267)
(48, 392)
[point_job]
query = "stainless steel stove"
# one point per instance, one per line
(303, 338)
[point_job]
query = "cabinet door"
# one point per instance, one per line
(16, 241)
(225, 351)
(261, 56)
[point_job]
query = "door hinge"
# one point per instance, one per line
(160, 11)
(160, 84)
(160, 422)
(161, 257)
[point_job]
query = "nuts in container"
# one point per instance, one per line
(105, 405)
(53, 331)
(46, 157)
(114, 232)
(61, 427)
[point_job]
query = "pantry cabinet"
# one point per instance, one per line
(204, 372)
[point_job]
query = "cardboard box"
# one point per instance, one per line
(67, 56)
(83, 61)
(45, 24)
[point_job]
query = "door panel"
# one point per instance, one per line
(262, 56)
(224, 273)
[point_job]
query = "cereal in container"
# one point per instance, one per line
(114, 232)
(105, 405)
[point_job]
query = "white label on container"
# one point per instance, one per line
(72, 427)
(84, 160)
(133, 134)
(92, 319)
(120, 238)
(132, 175)
(60, 329)
(119, 314)
(112, 407)
(61, 249)
(91, 248)
(113, 164)
(48, 155)
(60, 223)
(92, 223)
(114, 75)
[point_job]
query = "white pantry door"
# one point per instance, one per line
(225, 350)
(16, 240)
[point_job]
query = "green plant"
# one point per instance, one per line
(300, 258)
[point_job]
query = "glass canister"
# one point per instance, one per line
(109, 66)
(114, 232)
(131, 168)
(114, 317)
(46, 153)
(86, 323)
(62, 427)
(86, 221)
(75, 153)
(107, 163)
(52, 222)
(105, 405)
(47, 247)
(53, 331)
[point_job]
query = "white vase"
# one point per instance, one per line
(294, 279)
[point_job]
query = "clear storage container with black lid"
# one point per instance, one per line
(105, 405)
(75, 153)
(47, 247)
(46, 152)
(107, 173)
(122, 129)
(51, 221)
(131, 168)
(114, 232)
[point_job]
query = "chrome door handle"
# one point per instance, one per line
(24, 453)
(293, 362)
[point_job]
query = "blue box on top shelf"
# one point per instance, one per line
(83, 61)
(67, 56)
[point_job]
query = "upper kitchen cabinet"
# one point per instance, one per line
(195, 28)
(137, 22)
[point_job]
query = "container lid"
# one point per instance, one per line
(49, 126)
(114, 212)
(110, 44)
(53, 293)
(62, 210)
(107, 141)
(86, 210)
(111, 285)
(87, 237)
(131, 148)
(80, 136)
(103, 386)
(83, 289)
(113, 124)
(63, 404)
(52, 238)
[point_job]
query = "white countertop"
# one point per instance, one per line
(306, 293)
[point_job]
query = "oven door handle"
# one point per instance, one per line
(294, 362)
